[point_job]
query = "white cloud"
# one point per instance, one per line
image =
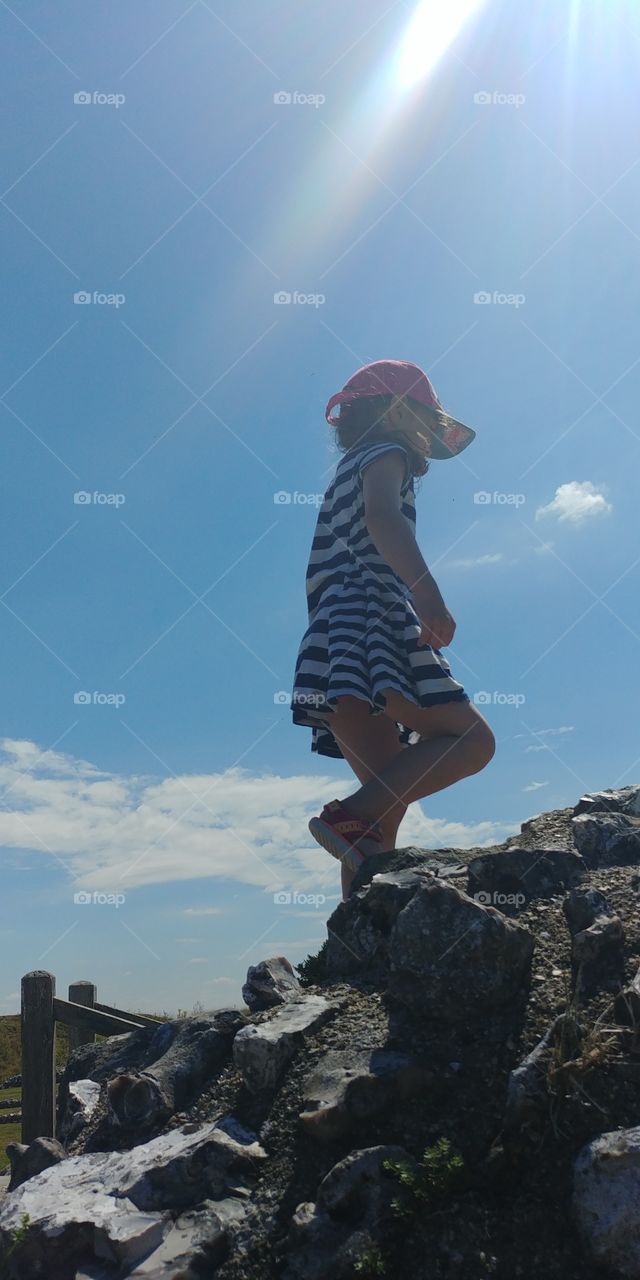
(118, 832)
(474, 562)
(575, 502)
(543, 733)
(535, 786)
(202, 911)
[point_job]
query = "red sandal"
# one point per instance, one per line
(345, 836)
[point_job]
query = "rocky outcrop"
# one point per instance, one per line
(512, 878)
(597, 943)
(261, 1052)
(329, 1237)
(270, 983)
(353, 1085)
(113, 1205)
(607, 839)
(468, 1054)
(147, 1076)
(27, 1161)
(621, 800)
(441, 952)
(606, 1200)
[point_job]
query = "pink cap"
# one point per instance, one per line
(401, 378)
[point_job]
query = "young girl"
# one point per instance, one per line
(370, 679)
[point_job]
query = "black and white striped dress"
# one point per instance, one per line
(363, 630)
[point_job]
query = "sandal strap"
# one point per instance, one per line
(347, 823)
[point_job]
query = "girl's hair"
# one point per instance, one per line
(359, 422)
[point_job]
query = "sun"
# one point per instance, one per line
(433, 26)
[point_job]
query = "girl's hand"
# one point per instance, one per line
(438, 626)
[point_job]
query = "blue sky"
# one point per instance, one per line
(468, 202)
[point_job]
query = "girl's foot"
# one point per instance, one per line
(345, 836)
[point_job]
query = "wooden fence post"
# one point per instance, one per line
(81, 993)
(38, 1029)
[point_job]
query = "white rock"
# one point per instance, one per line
(84, 1096)
(606, 1200)
(261, 1052)
(119, 1195)
(206, 1224)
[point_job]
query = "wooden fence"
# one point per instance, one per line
(41, 1009)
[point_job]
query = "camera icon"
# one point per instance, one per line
(82, 98)
(482, 497)
(282, 297)
(282, 698)
(482, 97)
(81, 497)
(483, 898)
(482, 698)
(281, 98)
(482, 298)
(82, 897)
(81, 698)
(282, 899)
(82, 298)
(282, 498)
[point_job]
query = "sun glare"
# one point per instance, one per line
(432, 27)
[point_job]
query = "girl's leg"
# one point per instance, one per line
(368, 743)
(457, 742)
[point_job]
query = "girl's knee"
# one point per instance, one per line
(483, 744)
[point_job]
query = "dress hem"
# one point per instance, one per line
(376, 708)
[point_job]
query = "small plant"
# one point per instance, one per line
(17, 1237)
(436, 1176)
(313, 970)
(372, 1263)
(577, 1052)
(196, 1012)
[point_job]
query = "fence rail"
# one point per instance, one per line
(84, 1016)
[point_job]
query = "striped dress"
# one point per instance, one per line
(363, 632)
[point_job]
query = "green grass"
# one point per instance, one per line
(8, 1132)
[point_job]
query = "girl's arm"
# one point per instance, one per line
(393, 538)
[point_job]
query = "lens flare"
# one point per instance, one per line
(432, 27)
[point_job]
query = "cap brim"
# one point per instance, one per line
(450, 440)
